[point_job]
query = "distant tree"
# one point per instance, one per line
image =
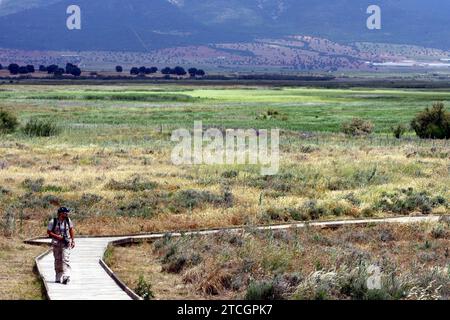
(30, 68)
(200, 73)
(76, 71)
(13, 68)
(148, 71)
(134, 71)
(52, 68)
(72, 69)
(192, 72)
(142, 70)
(153, 70)
(179, 71)
(42, 68)
(59, 72)
(166, 71)
(1, 67)
(119, 69)
(69, 68)
(23, 70)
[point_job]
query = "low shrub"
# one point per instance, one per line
(8, 122)
(399, 130)
(357, 127)
(357, 178)
(346, 283)
(230, 174)
(4, 191)
(175, 264)
(405, 201)
(144, 289)
(440, 231)
(260, 290)
(313, 210)
(134, 184)
(190, 199)
(33, 185)
(308, 149)
(432, 123)
(137, 208)
(41, 128)
(272, 114)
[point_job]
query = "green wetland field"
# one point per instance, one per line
(300, 109)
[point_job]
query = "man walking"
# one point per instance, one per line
(61, 231)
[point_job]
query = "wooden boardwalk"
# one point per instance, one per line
(90, 281)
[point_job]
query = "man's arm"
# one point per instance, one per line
(54, 235)
(72, 236)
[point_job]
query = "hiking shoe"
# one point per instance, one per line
(57, 281)
(66, 280)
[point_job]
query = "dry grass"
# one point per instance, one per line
(18, 281)
(131, 262)
(225, 265)
(331, 175)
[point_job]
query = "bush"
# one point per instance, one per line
(8, 122)
(399, 130)
(432, 123)
(357, 127)
(406, 201)
(175, 264)
(309, 149)
(144, 289)
(135, 184)
(190, 199)
(313, 210)
(439, 231)
(260, 290)
(230, 174)
(41, 128)
(347, 283)
(272, 114)
(33, 185)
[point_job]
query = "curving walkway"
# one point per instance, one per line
(90, 280)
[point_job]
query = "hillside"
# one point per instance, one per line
(142, 25)
(299, 53)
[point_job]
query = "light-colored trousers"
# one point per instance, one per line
(62, 260)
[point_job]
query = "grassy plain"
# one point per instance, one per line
(111, 161)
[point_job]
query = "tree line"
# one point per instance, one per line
(14, 69)
(74, 70)
(70, 68)
(178, 71)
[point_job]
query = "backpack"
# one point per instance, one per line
(55, 221)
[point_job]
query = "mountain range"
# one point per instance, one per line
(144, 25)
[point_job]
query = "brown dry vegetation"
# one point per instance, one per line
(132, 190)
(305, 263)
(18, 280)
